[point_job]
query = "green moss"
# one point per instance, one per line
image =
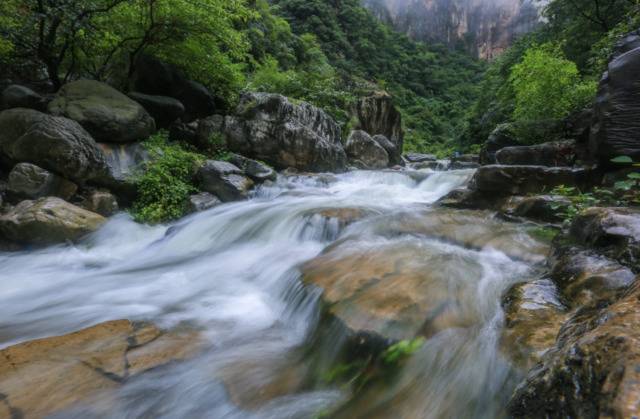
(544, 234)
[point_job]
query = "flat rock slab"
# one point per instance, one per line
(45, 376)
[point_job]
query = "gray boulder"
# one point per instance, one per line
(557, 153)
(395, 155)
(53, 143)
(364, 152)
(16, 96)
(107, 114)
(101, 202)
(616, 128)
(224, 180)
(419, 157)
(29, 181)
(257, 171)
(48, 221)
(377, 115)
(271, 128)
(523, 180)
(503, 135)
(163, 109)
(202, 202)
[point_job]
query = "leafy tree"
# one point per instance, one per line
(548, 86)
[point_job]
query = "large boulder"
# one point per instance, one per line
(155, 77)
(107, 114)
(257, 171)
(53, 143)
(558, 153)
(616, 128)
(163, 109)
(592, 371)
(16, 96)
(523, 180)
(503, 135)
(271, 128)
(364, 152)
(48, 221)
(29, 181)
(224, 180)
(377, 115)
(43, 377)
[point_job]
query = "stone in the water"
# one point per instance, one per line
(53, 143)
(419, 157)
(29, 181)
(47, 376)
(257, 171)
(101, 202)
(202, 202)
(110, 116)
(48, 221)
(224, 180)
(364, 152)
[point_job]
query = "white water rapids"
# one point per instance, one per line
(232, 272)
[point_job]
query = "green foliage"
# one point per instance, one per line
(402, 350)
(547, 86)
(544, 234)
(166, 182)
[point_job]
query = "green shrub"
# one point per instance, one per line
(166, 181)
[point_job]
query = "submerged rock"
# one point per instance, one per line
(224, 180)
(53, 143)
(29, 181)
(48, 221)
(45, 376)
(110, 116)
(271, 128)
(364, 152)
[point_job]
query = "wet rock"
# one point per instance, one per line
(438, 165)
(534, 314)
(558, 153)
(461, 165)
(466, 158)
(364, 152)
(377, 115)
(419, 157)
(224, 180)
(29, 181)
(155, 77)
(616, 126)
(42, 377)
(593, 369)
(107, 114)
(614, 231)
(466, 198)
(16, 96)
(48, 221)
(202, 202)
(271, 128)
(163, 109)
(53, 143)
(538, 207)
(257, 171)
(101, 202)
(503, 136)
(585, 277)
(523, 180)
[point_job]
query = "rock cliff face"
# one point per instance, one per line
(485, 27)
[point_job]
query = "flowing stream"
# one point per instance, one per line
(233, 273)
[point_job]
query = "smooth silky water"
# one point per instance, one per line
(233, 273)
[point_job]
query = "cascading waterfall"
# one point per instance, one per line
(232, 272)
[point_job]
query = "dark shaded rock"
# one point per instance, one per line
(377, 115)
(395, 156)
(163, 109)
(522, 180)
(224, 180)
(539, 207)
(614, 231)
(184, 132)
(561, 153)
(123, 162)
(210, 132)
(419, 157)
(616, 128)
(534, 314)
(585, 277)
(29, 181)
(593, 369)
(461, 165)
(258, 172)
(48, 221)
(503, 136)
(154, 77)
(270, 128)
(465, 198)
(202, 202)
(107, 114)
(101, 202)
(16, 96)
(53, 143)
(364, 152)
(438, 165)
